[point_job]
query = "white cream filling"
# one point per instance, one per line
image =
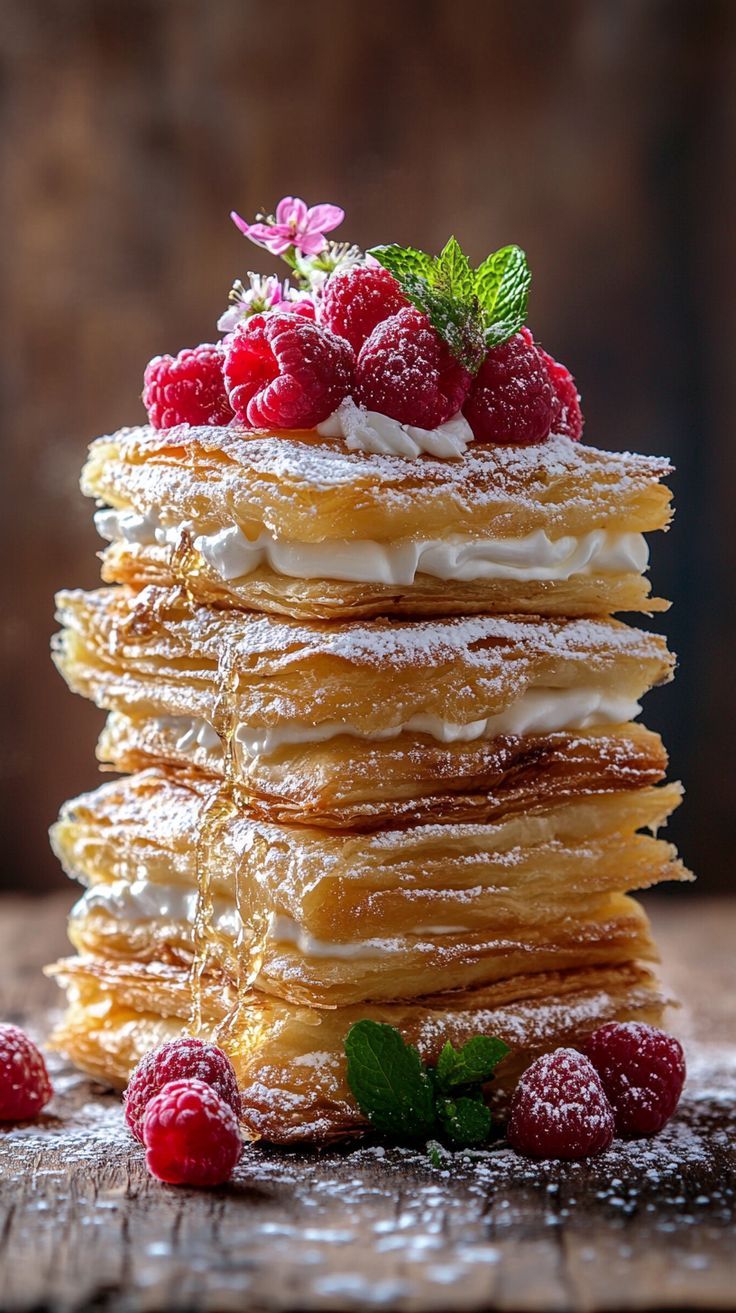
(538, 711)
(142, 900)
(535, 556)
(369, 430)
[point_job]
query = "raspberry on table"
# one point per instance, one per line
(560, 1109)
(284, 371)
(406, 371)
(642, 1070)
(511, 400)
(567, 417)
(179, 1059)
(187, 389)
(191, 1135)
(25, 1087)
(359, 298)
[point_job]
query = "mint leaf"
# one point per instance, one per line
(472, 310)
(389, 1081)
(452, 270)
(442, 289)
(404, 261)
(474, 1063)
(456, 322)
(466, 1121)
(502, 287)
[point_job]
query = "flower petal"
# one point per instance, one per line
(292, 211)
(323, 218)
(309, 243)
(277, 239)
(240, 223)
(232, 317)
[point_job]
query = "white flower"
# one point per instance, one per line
(316, 269)
(261, 294)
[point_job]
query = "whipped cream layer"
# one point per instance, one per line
(535, 556)
(143, 900)
(369, 430)
(538, 711)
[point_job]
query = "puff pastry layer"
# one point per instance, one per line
(305, 489)
(362, 916)
(289, 1061)
(156, 653)
(526, 869)
(360, 784)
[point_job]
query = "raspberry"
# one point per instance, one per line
(643, 1072)
(560, 1109)
(406, 371)
(283, 371)
(24, 1081)
(179, 1059)
(567, 417)
(356, 300)
(511, 400)
(186, 389)
(191, 1135)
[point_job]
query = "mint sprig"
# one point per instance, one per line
(389, 1080)
(473, 1064)
(465, 1120)
(407, 1100)
(471, 309)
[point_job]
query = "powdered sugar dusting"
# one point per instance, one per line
(381, 1227)
(328, 464)
(378, 643)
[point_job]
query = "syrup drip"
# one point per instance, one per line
(185, 562)
(212, 854)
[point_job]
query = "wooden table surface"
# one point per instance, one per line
(648, 1225)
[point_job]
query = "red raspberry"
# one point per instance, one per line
(24, 1081)
(179, 1059)
(191, 1135)
(511, 400)
(560, 1109)
(406, 371)
(567, 417)
(356, 300)
(283, 371)
(643, 1072)
(186, 389)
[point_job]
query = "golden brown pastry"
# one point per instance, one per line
(265, 686)
(345, 917)
(299, 524)
(363, 784)
(290, 1060)
(140, 839)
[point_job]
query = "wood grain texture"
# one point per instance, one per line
(600, 136)
(648, 1225)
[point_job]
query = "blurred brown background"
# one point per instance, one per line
(598, 134)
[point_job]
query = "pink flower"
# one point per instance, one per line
(294, 226)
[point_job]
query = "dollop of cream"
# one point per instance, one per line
(535, 556)
(369, 430)
(538, 711)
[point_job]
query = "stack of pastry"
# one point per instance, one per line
(377, 729)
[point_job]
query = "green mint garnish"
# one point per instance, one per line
(471, 309)
(473, 1064)
(407, 1100)
(465, 1120)
(502, 287)
(389, 1081)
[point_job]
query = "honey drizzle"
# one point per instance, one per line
(226, 798)
(185, 562)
